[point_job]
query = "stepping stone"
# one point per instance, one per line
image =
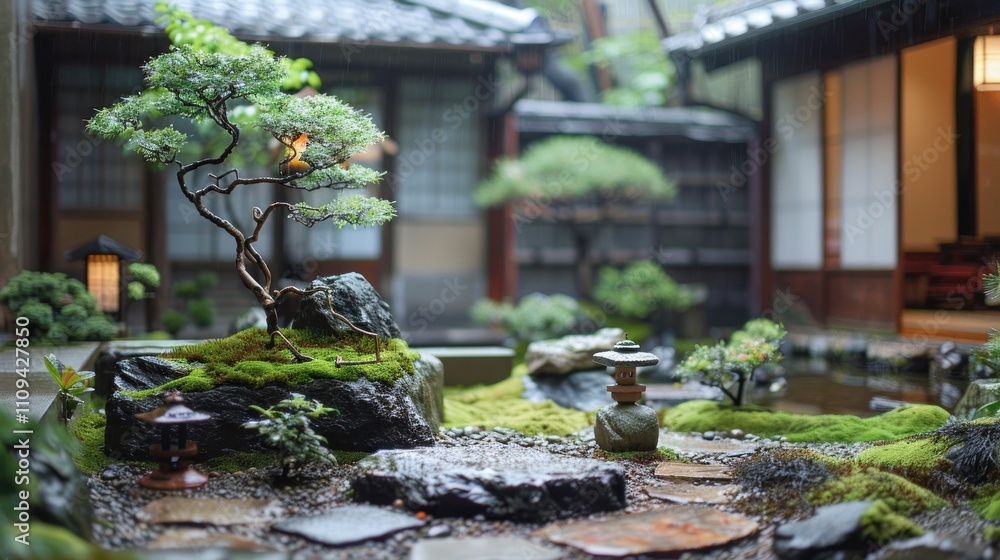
(209, 511)
(671, 530)
(199, 538)
(688, 444)
(485, 548)
(493, 480)
(348, 525)
(687, 493)
(833, 528)
(690, 472)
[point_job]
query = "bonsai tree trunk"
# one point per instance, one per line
(584, 267)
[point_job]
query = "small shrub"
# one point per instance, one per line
(641, 290)
(58, 308)
(285, 427)
(202, 312)
(536, 317)
(173, 321)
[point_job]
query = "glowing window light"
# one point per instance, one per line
(986, 63)
(104, 281)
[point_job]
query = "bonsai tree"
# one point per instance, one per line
(319, 133)
(723, 364)
(573, 180)
(285, 427)
(642, 290)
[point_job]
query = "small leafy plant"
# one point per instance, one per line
(723, 364)
(72, 384)
(536, 317)
(285, 427)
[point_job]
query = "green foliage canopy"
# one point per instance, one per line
(561, 168)
(640, 290)
(536, 317)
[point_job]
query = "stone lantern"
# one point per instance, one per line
(626, 425)
(174, 450)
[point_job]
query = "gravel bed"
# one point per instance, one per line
(117, 498)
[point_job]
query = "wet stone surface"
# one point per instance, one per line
(209, 511)
(483, 548)
(491, 480)
(675, 529)
(687, 493)
(348, 525)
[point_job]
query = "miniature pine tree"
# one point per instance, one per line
(319, 132)
(285, 427)
(724, 364)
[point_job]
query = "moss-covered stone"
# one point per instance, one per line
(881, 524)
(703, 416)
(247, 359)
(501, 405)
(901, 495)
(991, 533)
(657, 455)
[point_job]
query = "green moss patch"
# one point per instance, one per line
(501, 405)
(881, 524)
(906, 455)
(901, 495)
(988, 503)
(703, 416)
(247, 359)
(239, 462)
(657, 455)
(89, 429)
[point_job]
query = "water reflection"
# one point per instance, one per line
(814, 386)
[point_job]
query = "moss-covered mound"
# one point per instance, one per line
(501, 405)
(248, 359)
(903, 496)
(703, 416)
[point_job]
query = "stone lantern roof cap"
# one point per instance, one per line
(626, 354)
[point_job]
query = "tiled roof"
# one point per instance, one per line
(714, 28)
(562, 117)
(458, 23)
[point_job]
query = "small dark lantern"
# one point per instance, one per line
(625, 357)
(174, 450)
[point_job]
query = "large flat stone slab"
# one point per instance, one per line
(185, 539)
(690, 472)
(689, 444)
(687, 493)
(347, 525)
(209, 511)
(671, 530)
(570, 353)
(493, 480)
(483, 548)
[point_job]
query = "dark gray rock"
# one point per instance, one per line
(493, 480)
(347, 525)
(834, 531)
(933, 546)
(626, 427)
(583, 390)
(372, 415)
(354, 298)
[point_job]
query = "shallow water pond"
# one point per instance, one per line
(815, 386)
